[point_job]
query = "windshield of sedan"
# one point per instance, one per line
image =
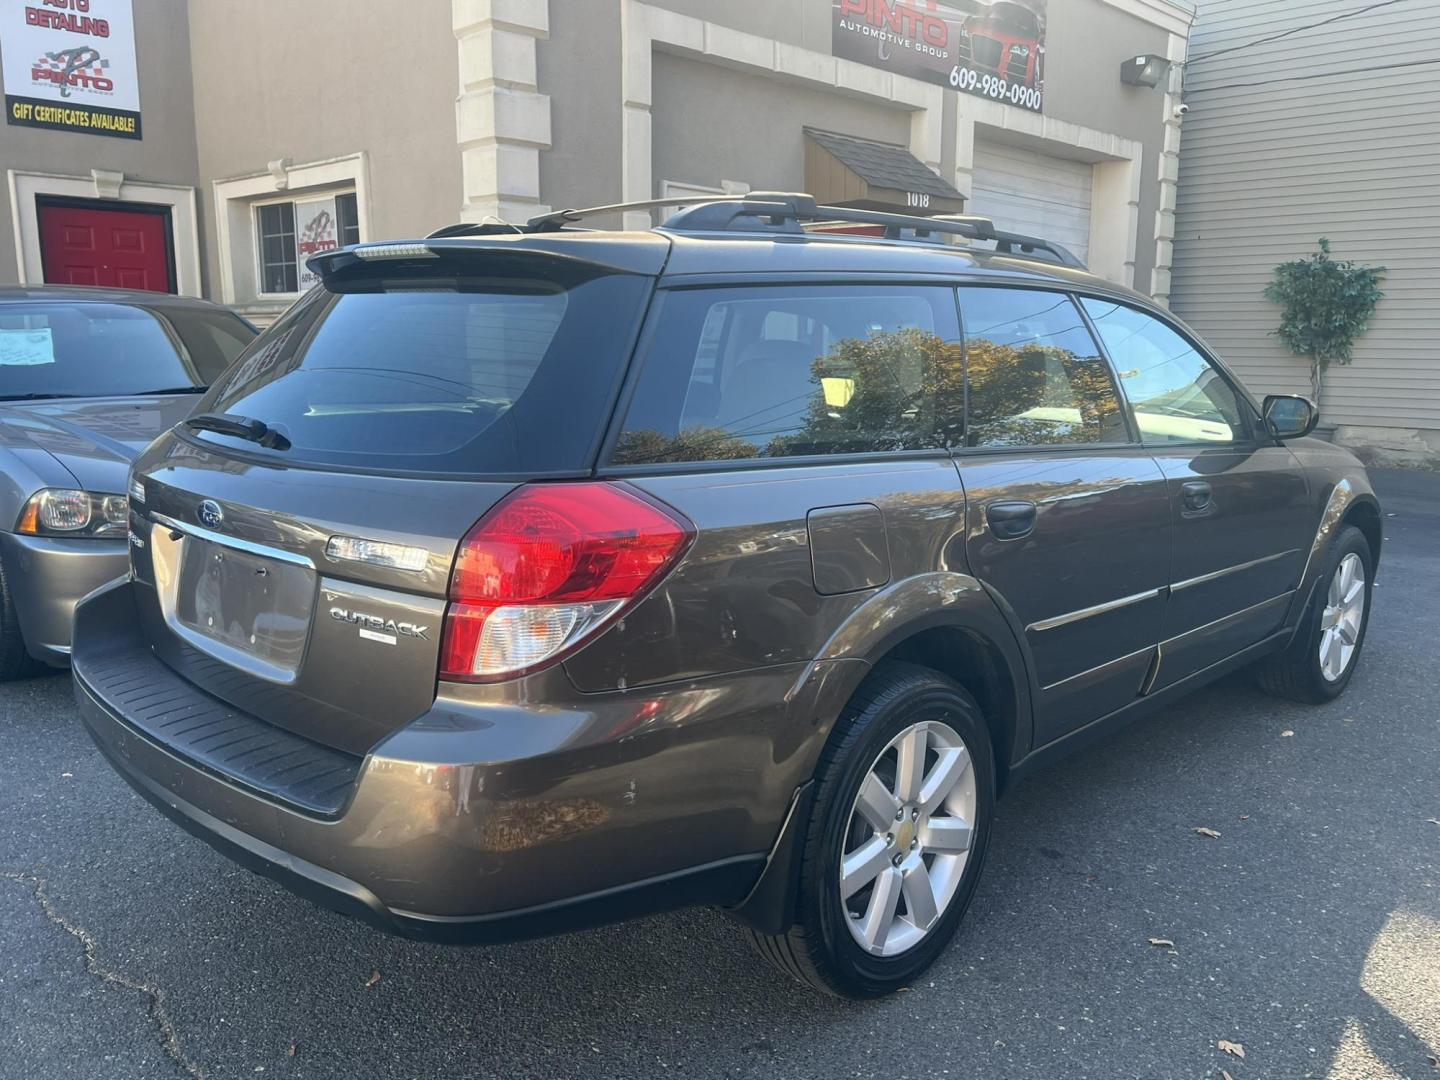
(56, 349)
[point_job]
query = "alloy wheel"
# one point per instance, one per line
(908, 838)
(1342, 618)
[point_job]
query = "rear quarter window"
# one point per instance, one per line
(783, 371)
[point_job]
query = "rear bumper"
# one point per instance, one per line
(454, 829)
(49, 576)
(725, 882)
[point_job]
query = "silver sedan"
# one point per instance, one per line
(88, 377)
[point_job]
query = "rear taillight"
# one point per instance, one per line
(546, 568)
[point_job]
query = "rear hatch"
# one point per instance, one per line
(301, 574)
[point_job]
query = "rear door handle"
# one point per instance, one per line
(1196, 494)
(1010, 520)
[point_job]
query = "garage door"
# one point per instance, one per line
(1033, 193)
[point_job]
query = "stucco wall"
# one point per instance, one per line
(166, 154)
(1086, 42)
(711, 123)
(796, 22)
(579, 67)
(326, 78)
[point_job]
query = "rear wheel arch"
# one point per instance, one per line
(971, 643)
(974, 647)
(975, 662)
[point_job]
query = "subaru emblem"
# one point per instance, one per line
(210, 514)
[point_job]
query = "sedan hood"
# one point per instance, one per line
(94, 438)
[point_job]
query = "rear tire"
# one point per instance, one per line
(1320, 660)
(15, 661)
(929, 861)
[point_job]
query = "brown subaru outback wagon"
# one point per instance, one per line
(525, 578)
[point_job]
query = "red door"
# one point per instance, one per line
(86, 245)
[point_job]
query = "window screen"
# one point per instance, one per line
(1176, 394)
(1036, 376)
(779, 371)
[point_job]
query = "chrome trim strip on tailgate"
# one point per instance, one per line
(235, 542)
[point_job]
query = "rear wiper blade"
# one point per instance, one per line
(33, 396)
(239, 427)
(172, 390)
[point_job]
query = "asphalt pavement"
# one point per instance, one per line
(1306, 933)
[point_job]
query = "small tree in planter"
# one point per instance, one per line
(1325, 305)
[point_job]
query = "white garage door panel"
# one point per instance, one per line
(1029, 192)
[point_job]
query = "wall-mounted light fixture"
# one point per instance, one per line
(1145, 70)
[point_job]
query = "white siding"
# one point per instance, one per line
(1033, 193)
(1348, 148)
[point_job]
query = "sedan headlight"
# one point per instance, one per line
(69, 512)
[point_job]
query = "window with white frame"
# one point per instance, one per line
(288, 232)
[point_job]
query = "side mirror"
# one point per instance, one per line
(1289, 416)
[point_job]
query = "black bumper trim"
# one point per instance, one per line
(117, 668)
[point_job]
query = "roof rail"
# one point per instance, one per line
(786, 212)
(558, 219)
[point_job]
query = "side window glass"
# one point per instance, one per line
(781, 371)
(1036, 375)
(1176, 393)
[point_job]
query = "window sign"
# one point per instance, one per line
(70, 66)
(26, 348)
(989, 48)
(316, 230)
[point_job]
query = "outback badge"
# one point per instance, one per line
(374, 628)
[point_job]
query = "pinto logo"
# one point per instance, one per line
(79, 67)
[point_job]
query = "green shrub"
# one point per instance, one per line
(1325, 305)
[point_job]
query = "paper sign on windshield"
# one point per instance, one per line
(26, 348)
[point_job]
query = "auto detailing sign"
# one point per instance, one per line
(70, 66)
(989, 48)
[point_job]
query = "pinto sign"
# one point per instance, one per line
(989, 48)
(70, 66)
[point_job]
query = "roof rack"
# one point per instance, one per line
(789, 213)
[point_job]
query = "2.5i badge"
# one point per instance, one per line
(374, 628)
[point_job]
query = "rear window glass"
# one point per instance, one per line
(85, 350)
(781, 371)
(504, 371)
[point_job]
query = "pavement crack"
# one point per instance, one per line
(169, 1037)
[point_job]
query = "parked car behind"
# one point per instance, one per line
(523, 579)
(87, 378)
